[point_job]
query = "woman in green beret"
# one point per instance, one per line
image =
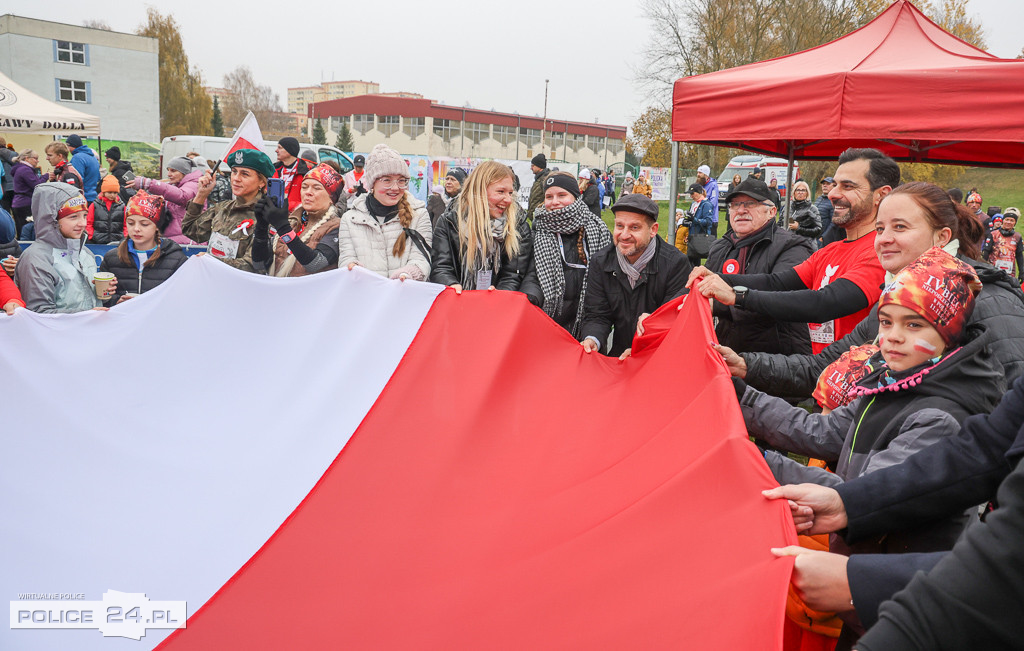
(228, 226)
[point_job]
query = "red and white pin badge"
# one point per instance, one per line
(731, 267)
(244, 226)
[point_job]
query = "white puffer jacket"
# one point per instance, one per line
(362, 239)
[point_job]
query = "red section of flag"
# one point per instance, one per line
(508, 490)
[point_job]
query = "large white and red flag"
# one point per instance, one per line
(345, 461)
(247, 136)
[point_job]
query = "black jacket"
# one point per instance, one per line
(971, 599)
(516, 275)
(107, 223)
(808, 220)
(767, 251)
(611, 302)
(1000, 306)
(130, 279)
(592, 197)
(119, 170)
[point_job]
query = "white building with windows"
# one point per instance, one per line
(416, 126)
(111, 75)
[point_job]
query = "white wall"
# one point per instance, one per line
(125, 85)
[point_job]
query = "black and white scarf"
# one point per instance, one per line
(547, 227)
(492, 258)
(633, 270)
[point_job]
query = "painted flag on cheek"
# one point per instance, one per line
(414, 469)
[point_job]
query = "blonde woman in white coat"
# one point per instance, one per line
(387, 230)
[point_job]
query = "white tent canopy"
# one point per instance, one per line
(24, 112)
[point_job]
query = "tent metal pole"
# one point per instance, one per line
(673, 184)
(789, 184)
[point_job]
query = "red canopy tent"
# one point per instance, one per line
(900, 84)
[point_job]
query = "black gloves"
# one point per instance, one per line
(268, 213)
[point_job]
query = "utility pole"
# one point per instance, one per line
(545, 128)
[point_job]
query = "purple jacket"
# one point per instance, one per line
(177, 197)
(25, 181)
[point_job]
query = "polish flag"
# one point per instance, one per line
(247, 136)
(374, 464)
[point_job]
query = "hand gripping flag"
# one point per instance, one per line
(415, 469)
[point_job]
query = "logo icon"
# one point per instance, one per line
(7, 96)
(239, 157)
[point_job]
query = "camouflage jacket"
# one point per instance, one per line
(218, 222)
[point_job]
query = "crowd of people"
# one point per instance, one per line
(878, 354)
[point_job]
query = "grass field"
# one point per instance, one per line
(998, 187)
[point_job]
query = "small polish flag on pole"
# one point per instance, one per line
(247, 136)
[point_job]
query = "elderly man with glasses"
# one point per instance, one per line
(833, 290)
(756, 245)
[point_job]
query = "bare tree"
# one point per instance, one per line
(247, 95)
(94, 23)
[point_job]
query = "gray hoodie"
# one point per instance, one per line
(55, 274)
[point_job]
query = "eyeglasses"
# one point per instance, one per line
(747, 205)
(393, 183)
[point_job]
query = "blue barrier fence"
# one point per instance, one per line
(100, 250)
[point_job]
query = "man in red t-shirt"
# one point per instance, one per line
(834, 289)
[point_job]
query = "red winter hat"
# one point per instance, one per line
(839, 377)
(938, 287)
(326, 176)
(145, 205)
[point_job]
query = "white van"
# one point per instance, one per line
(774, 168)
(212, 148)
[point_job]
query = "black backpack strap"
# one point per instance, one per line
(420, 242)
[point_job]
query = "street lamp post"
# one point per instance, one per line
(544, 129)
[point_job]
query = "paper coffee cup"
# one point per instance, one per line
(102, 281)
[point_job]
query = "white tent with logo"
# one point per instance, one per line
(23, 112)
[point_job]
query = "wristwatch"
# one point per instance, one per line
(741, 295)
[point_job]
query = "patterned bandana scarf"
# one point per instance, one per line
(632, 271)
(547, 227)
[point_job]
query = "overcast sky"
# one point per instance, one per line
(489, 54)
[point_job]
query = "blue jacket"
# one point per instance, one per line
(825, 210)
(83, 160)
(711, 191)
(703, 218)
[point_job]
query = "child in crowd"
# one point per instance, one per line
(144, 259)
(55, 274)
(929, 374)
(1003, 248)
(105, 223)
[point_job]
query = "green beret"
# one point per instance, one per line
(254, 160)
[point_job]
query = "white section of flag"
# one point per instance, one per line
(154, 448)
(247, 136)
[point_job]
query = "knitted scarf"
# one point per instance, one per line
(547, 227)
(633, 270)
(492, 257)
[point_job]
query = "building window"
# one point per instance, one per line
(389, 124)
(70, 52)
(504, 135)
(414, 127)
(362, 124)
(614, 146)
(447, 129)
(574, 141)
(596, 143)
(529, 137)
(72, 91)
(557, 140)
(336, 123)
(477, 131)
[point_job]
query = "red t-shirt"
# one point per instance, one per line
(855, 261)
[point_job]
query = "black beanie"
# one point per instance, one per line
(114, 153)
(290, 145)
(540, 160)
(564, 181)
(74, 141)
(458, 174)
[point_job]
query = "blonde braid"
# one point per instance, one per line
(405, 219)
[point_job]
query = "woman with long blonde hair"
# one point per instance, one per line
(484, 242)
